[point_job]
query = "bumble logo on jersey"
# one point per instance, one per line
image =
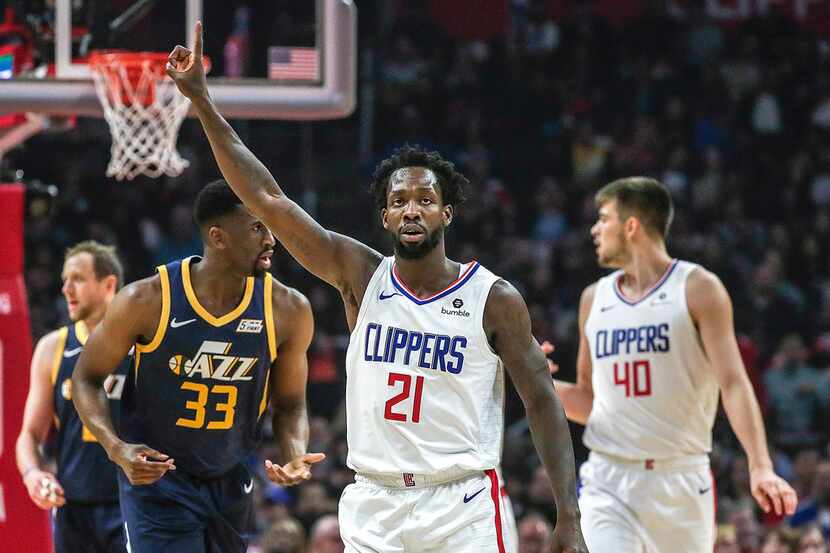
(213, 360)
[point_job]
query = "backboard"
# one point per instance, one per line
(272, 59)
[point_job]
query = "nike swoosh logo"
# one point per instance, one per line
(606, 308)
(470, 498)
(704, 490)
(176, 324)
(382, 296)
(72, 352)
(248, 487)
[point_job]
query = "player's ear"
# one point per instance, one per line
(111, 283)
(216, 237)
(449, 213)
(384, 218)
(631, 226)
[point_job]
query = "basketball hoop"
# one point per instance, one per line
(144, 110)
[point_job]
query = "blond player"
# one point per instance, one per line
(656, 347)
(429, 339)
(83, 492)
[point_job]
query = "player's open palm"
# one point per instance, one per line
(186, 68)
(772, 492)
(567, 538)
(295, 471)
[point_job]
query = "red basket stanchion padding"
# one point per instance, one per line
(144, 110)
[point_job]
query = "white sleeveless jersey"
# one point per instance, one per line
(424, 390)
(655, 393)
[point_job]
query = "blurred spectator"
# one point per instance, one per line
(815, 508)
(736, 496)
(283, 536)
(747, 530)
(535, 534)
(779, 540)
(812, 541)
(181, 239)
(791, 396)
(313, 501)
(726, 540)
(804, 472)
(325, 536)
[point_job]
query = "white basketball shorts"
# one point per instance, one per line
(647, 506)
(416, 514)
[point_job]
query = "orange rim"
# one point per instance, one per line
(109, 58)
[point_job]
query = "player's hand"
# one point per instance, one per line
(295, 471)
(547, 349)
(141, 464)
(44, 489)
(772, 492)
(567, 538)
(186, 68)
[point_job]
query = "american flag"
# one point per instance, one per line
(293, 63)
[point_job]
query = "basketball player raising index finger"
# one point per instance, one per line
(429, 338)
(656, 346)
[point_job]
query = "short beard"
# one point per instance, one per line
(417, 251)
(80, 314)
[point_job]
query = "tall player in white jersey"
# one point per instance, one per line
(429, 340)
(657, 344)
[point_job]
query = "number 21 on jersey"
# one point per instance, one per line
(406, 379)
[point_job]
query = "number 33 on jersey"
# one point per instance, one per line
(201, 384)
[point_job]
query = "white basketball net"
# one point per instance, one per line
(143, 132)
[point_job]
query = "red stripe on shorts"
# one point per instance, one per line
(714, 494)
(494, 494)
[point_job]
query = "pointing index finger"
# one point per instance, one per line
(197, 44)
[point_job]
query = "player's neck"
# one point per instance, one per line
(429, 274)
(645, 267)
(216, 282)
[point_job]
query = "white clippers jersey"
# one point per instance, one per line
(424, 391)
(655, 393)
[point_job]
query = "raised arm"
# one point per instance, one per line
(711, 309)
(133, 314)
(578, 399)
(507, 323)
(341, 261)
(289, 376)
(37, 419)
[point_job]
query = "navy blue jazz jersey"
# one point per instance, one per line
(84, 470)
(199, 388)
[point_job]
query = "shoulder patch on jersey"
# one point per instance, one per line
(252, 326)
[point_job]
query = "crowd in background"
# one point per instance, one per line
(734, 119)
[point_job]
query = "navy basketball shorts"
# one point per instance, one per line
(89, 528)
(186, 514)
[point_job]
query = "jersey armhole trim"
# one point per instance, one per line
(270, 329)
(263, 403)
(165, 315)
(485, 297)
(59, 347)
